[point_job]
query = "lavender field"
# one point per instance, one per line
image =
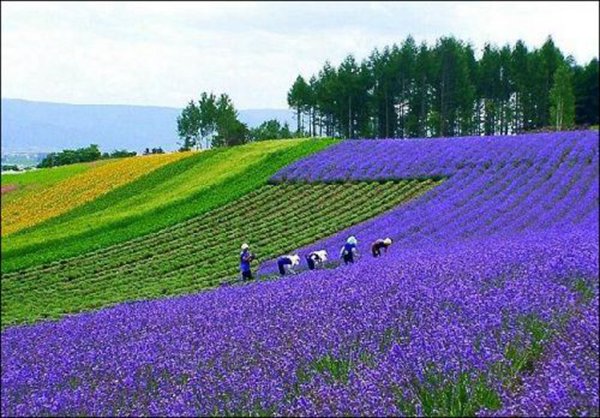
(486, 304)
(495, 186)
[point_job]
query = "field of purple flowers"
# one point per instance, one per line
(486, 304)
(495, 186)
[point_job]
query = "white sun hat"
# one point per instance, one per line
(244, 246)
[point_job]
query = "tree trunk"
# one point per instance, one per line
(442, 108)
(349, 116)
(423, 116)
(387, 120)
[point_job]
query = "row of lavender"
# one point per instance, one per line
(442, 330)
(494, 185)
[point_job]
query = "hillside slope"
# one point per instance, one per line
(162, 198)
(199, 253)
(486, 304)
(496, 186)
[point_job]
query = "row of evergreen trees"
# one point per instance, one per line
(415, 90)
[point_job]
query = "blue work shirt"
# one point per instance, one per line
(349, 247)
(245, 260)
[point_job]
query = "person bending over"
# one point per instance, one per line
(349, 250)
(380, 244)
(316, 259)
(285, 263)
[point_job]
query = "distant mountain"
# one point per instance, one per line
(29, 126)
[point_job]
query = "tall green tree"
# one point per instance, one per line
(453, 91)
(326, 92)
(562, 99)
(211, 122)
(311, 105)
(352, 107)
(208, 114)
(188, 126)
(299, 98)
(547, 60)
(585, 86)
(421, 98)
(519, 73)
(230, 131)
(403, 64)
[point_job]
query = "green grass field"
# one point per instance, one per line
(199, 253)
(162, 198)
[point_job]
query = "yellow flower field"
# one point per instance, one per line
(82, 188)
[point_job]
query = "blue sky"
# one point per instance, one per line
(164, 54)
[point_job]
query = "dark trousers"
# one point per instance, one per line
(310, 262)
(247, 275)
(348, 258)
(376, 252)
(281, 264)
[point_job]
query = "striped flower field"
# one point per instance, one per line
(66, 195)
(486, 304)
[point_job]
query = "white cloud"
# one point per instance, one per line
(166, 53)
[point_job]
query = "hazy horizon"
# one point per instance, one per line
(124, 104)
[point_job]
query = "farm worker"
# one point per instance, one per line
(286, 262)
(245, 258)
(316, 258)
(349, 250)
(380, 244)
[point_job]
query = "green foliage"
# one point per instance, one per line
(68, 156)
(437, 395)
(200, 252)
(337, 369)
(213, 122)
(443, 90)
(584, 288)
(171, 194)
(270, 129)
(522, 356)
(81, 155)
(10, 167)
(298, 98)
(562, 109)
(524, 350)
(119, 154)
(466, 394)
(188, 126)
(230, 131)
(587, 93)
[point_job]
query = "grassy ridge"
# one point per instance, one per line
(200, 252)
(85, 229)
